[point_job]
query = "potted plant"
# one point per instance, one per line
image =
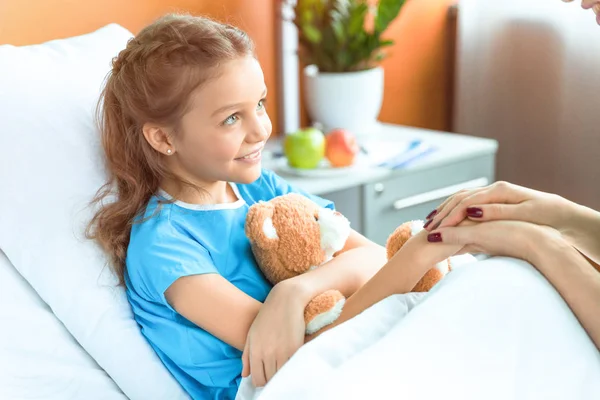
(341, 43)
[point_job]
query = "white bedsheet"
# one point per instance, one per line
(495, 329)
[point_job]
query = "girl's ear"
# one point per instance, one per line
(158, 138)
(259, 225)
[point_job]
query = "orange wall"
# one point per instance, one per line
(416, 78)
(34, 21)
(416, 72)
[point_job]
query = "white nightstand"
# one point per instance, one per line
(377, 200)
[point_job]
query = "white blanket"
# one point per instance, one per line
(495, 329)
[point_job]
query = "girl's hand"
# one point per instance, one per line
(516, 239)
(427, 254)
(501, 201)
(275, 335)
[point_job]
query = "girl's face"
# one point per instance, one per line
(593, 4)
(222, 136)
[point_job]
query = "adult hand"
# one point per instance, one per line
(275, 335)
(501, 201)
(516, 239)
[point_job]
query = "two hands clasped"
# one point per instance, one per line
(500, 220)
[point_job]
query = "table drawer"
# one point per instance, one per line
(413, 194)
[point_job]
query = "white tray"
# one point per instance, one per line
(323, 170)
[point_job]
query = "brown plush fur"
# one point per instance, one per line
(428, 281)
(397, 239)
(298, 246)
(324, 301)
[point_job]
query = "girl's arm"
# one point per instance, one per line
(268, 334)
(351, 268)
(398, 275)
(226, 311)
(573, 277)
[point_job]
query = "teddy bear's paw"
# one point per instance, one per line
(432, 277)
(323, 310)
(401, 235)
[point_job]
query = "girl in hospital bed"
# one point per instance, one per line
(184, 122)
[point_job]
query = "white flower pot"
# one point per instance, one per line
(349, 100)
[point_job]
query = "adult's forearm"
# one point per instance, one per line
(576, 281)
(582, 230)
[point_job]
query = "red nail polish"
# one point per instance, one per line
(427, 224)
(474, 212)
(434, 237)
(431, 214)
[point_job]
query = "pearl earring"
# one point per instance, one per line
(169, 151)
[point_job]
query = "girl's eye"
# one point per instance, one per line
(261, 104)
(232, 119)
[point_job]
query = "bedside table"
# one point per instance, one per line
(377, 200)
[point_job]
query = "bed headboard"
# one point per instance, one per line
(36, 21)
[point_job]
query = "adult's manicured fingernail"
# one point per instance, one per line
(427, 224)
(434, 237)
(474, 212)
(431, 214)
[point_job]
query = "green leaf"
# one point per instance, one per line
(338, 30)
(329, 43)
(344, 60)
(332, 33)
(320, 6)
(306, 17)
(387, 11)
(356, 18)
(311, 33)
(342, 6)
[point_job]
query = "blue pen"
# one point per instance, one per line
(415, 149)
(415, 156)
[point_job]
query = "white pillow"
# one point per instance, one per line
(38, 357)
(50, 167)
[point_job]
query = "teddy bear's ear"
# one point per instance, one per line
(259, 225)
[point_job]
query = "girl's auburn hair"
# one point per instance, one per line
(151, 80)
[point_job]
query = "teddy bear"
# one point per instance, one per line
(290, 235)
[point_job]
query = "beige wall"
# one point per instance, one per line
(528, 77)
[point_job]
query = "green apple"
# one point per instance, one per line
(304, 148)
